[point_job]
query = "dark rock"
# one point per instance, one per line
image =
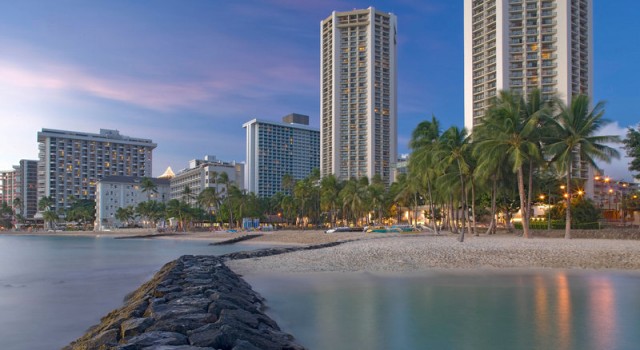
(154, 338)
(105, 339)
(192, 303)
(184, 323)
(211, 337)
(179, 347)
(135, 326)
(243, 345)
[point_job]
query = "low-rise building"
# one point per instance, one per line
(113, 192)
(203, 173)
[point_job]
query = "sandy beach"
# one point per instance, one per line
(408, 252)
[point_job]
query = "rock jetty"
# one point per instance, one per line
(195, 302)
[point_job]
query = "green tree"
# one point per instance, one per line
(574, 140)
(126, 214)
(424, 142)
(179, 210)
(632, 148)
(82, 211)
(49, 216)
(329, 199)
(454, 152)
(210, 198)
(148, 186)
(512, 135)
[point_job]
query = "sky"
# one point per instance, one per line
(188, 74)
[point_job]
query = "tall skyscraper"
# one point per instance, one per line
(524, 44)
(277, 149)
(358, 96)
(71, 163)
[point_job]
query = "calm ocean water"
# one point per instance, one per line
(53, 288)
(479, 310)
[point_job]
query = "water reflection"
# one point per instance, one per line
(603, 312)
(535, 310)
(563, 310)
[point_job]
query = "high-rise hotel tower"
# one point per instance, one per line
(71, 163)
(358, 97)
(524, 44)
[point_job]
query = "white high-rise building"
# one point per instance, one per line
(278, 149)
(358, 94)
(71, 163)
(524, 44)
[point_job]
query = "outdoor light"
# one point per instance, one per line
(542, 196)
(580, 193)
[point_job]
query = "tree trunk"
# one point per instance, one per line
(523, 206)
(530, 189)
(463, 205)
(473, 207)
(567, 225)
(432, 207)
(494, 221)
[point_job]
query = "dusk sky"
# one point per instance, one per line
(188, 74)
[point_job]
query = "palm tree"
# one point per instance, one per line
(514, 136)
(148, 186)
(424, 142)
(187, 195)
(574, 141)
(210, 199)
(288, 183)
(44, 205)
(377, 194)
(125, 214)
(223, 178)
(454, 152)
(353, 196)
(17, 205)
(329, 201)
(49, 217)
(179, 210)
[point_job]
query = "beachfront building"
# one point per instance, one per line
(519, 45)
(358, 94)
(278, 149)
(203, 173)
(8, 186)
(523, 44)
(71, 163)
(114, 192)
(26, 177)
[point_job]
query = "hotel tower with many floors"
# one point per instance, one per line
(71, 163)
(524, 44)
(358, 95)
(519, 45)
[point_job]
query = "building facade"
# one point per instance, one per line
(524, 44)
(203, 173)
(114, 192)
(71, 163)
(27, 187)
(358, 94)
(278, 149)
(8, 186)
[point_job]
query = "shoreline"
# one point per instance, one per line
(144, 320)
